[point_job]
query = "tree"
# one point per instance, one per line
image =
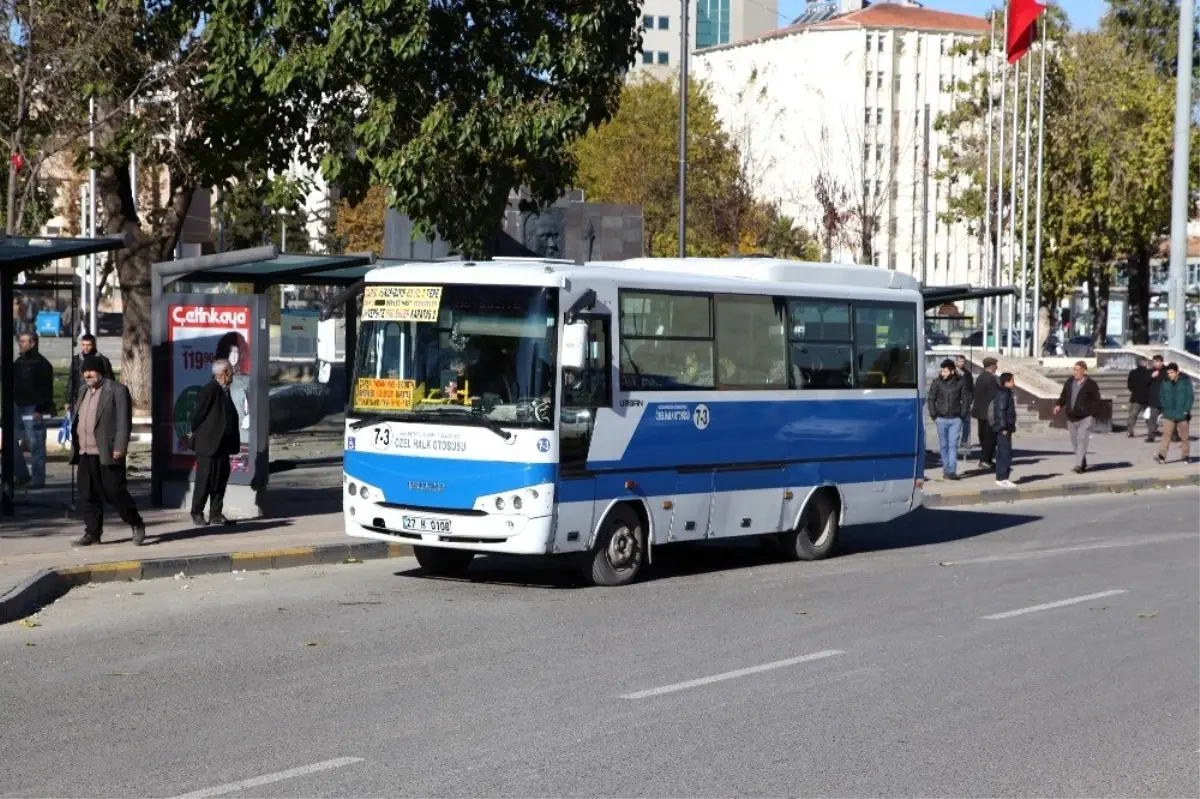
(1111, 176)
(251, 210)
(1151, 28)
(634, 158)
(449, 105)
(833, 201)
(360, 225)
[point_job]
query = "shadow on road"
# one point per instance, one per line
(924, 527)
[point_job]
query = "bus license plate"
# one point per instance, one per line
(422, 524)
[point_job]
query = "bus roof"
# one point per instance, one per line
(707, 274)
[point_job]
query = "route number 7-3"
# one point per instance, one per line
(383, 437)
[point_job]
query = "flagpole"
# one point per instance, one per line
(987, 194)
(997, 258)
(1024, 326)
(1037, 225)
(1012, 208)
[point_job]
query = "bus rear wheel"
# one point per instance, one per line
(620, 550)
(815, 537)
(438, 562)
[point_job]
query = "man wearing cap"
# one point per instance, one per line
(214, 438)
(986, 387)
(99, 443)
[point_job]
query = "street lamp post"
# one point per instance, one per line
(683, 109)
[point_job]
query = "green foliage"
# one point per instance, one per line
(1151, 29)
(449, 105)
(254, 208)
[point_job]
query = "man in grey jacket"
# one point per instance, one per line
(99, 444)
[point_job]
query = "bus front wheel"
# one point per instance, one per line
(620, 550)
(438, 562)
(815, 537)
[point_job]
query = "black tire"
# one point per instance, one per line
(620, 551)
(816, 536)
(438, 562)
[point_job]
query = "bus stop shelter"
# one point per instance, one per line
(19, 254)
(262, 268)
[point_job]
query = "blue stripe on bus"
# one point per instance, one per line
(668, 482)
(462, 481)
(771, 431)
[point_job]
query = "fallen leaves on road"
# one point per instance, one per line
(1148, 614)
(30, 622)
(312, 643)
(351, 560)
(30, 643)
(121, 674)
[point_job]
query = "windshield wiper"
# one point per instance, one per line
(481, 421)
(375, 418)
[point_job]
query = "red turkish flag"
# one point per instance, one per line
(1022, 14)
(17, 160)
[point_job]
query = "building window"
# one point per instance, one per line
(878, 187)
(647, 22)
(879, 80)
(941, 46)
(712, 23)
(869, 42)
(867, 116)
(868, 80)
(647, 57)
(663, 57)
(866, 153)
(880, 43)
(664, 23)
(878, 152)
(878, 116)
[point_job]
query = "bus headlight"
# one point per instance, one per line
(517, 503)
(499, 503)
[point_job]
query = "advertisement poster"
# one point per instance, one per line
(401, 303)
(199, 335)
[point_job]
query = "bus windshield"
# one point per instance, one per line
(490, 356)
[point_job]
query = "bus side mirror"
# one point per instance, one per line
(574, 349)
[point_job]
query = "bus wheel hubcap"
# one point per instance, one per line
(622, 548)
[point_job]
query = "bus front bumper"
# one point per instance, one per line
(494, 532)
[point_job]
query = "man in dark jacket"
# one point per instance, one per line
(214, 438)
(87, 346)
(1158, 374)
(1138, 384)
(985, 390)
(948, 403)
(1176, 397)
(1003, 422)
(99, 444)
(33, 398)
(1080, 400)
(964, 370)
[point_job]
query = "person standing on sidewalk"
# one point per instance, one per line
(1003, 422)
(99, 444)
(1138, 383)
(87, 346)
(1080, 399)
(33, 398)
(1158, 374)
(1176, 397)
(985, 391)
(947, 402)
(214, 438)
(964, 369)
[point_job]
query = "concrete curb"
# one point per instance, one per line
(48, 585)
(991, 496)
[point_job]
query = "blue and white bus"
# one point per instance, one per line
(601, 410)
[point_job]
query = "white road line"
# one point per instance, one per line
(1059, 604)
(729, 675)
(1039, 553)
(267, 779)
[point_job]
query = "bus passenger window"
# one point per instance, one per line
(885, 344)
(750, 340)
(821, 346)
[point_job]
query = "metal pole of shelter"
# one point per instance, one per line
(94, 297)
(1177, 316)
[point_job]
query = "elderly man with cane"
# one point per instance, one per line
(214, 438)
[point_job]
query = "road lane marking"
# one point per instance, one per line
(267, 779)
(729, 675)
(1008, 614)
(1038, 553)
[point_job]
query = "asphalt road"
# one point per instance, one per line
(1048, 649)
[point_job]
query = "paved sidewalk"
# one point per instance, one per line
(1043, 464)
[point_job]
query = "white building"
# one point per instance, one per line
(843, 99)
(711, 23)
